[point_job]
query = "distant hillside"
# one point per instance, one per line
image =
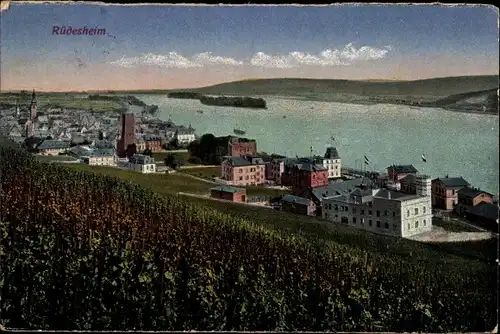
(444, 93)
(438, 87)
(482, 101)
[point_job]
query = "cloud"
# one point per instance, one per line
(329, 57)
(175, 60)
(206, 58)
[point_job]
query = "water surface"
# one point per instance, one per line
(454, 143)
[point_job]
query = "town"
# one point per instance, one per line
(400, 203)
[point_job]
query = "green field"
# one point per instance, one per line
(165, 184)
(183, 157)
(55, 158)
(169, 184)
(204, 172)
(62, 100)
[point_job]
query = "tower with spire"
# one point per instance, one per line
(33, 107)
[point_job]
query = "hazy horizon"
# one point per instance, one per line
(199, 46)
(252, 79)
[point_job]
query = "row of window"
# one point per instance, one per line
(424, 210)
(442, 191)
(416, 224)
(248, 178)
(251, 170)
(345, 208)
(354, 221)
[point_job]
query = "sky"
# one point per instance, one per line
(168, 46)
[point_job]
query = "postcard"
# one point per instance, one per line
(249, 167)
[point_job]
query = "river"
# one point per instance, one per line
(454, 143)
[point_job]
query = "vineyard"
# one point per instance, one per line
(86, 251)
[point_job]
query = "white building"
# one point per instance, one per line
(101, 157)
(94, 156)
(383, 210)
(141, 163)
(52, 147)
(331, 161)
(185, 136)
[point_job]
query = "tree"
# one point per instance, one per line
(170, 160)
(148, 152)
(174, 144)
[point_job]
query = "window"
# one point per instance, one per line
(370, 222)
(409, 227)
(346, 209)
(362, 221)
(394, 214)
(370, 212)
(424, 209)
(336, 207)
(329, 206)
(353, 210)
(416, 211)
(425, 223)
(394, 227)
(378, 223)
(362, 212)
(386, 225)
(241, 178)
(386, 213)
(416, 224)
(354, 220)
(408, 213)
(378, 213)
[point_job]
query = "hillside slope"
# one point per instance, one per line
(438, 87)
(482, 101)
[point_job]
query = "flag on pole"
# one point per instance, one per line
(367, 161)
(423, 158)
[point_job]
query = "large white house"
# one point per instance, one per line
(185, 136)
(101, 157)
(331, 161)
(94, 156)
(141, 163)
(383, 210)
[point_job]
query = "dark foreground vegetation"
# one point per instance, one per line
(86, 251)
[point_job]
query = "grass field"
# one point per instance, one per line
(310, 227)
(54, 158)
(169, 184)
(60, 100)
(209, 172)
(165, 184)
(183, 157)
(203, 172)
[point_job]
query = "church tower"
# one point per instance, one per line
(33, 107)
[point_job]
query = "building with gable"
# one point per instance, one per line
(445, 192)
(141, 163)
(381, 210)
(243, 171)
